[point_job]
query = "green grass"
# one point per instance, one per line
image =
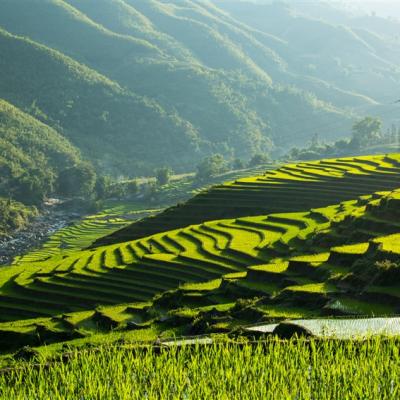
(272, 370)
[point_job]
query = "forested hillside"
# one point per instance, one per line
(169, 82)
(328, 50)
(31, 155)
(113, 127)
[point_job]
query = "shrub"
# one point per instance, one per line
(163, 175)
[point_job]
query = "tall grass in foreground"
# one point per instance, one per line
(274, 370)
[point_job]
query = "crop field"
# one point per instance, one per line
(296, 369)
(290, 188)
(83, 233)
(116, 215)
(219, 276)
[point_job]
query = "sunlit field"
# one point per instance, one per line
(296, 369)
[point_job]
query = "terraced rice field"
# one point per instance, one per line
(292, 187)
(82, 234)
(117, 215)
(220, 275)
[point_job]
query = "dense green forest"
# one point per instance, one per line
(169, 83)
(32, 156)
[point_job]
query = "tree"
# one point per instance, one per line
(102, 187)
(33, 186)
(365, 132)
(163, 175)
(132, 187)
(78, 180)
(258, 159)
(211, 166)
(238, 164)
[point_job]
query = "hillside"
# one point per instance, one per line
(13, 215)
(341, 49)
(293, 187)
(32, 155)
(171, 82)
(89, 109)
(339, 258)
(194, 82)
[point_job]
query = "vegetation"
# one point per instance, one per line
(225, 274)
(272, 192)
(342, 64)
(88, 108)
(246, 101)
(32, 156)
(14, 215)
(259, 159)
(77, 180)
(163, 175)
(366, 131)
(120, 203)
(309, 369)
(251, 98)
(367, 134)
(282, 282)
(211, 166)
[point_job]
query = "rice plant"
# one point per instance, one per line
(296, 369)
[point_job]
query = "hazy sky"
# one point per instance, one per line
(383, 8)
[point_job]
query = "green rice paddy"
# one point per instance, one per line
(82, 234)
(271, 370)
(306, 240)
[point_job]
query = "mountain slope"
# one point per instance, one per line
(188, 78)
(31, 155)
(199, 66)
(343, 53)
(112, 126)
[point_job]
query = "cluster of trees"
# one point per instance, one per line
(36, 161)
(216, 164)
(151, 189)
(366, 133)
(14, 215)
(32, 185)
